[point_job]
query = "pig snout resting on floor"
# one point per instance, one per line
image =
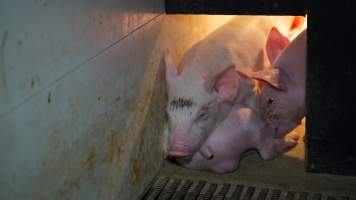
(203, 88)
(282, 92)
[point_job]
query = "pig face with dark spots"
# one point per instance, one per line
(194, 110)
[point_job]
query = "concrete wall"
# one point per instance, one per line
(69, 74)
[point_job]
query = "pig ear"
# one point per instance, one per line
(170, 68)
(297, 23)
(225, 84)
(275, 77)
(207, 153)
(276, 42)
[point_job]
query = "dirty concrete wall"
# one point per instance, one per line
(69, 75)
(82, 95)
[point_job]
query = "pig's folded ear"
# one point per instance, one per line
(275, 77)
(225, 84)
(275, 44)
(171, 70)
(297, 23)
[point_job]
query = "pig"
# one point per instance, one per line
(242, 130)
(205, 85)
(282, 86)
(221, 152)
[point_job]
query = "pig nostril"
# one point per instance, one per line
(172, 160)
(270, 100)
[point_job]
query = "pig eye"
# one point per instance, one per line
(203, 114)
(270, 100)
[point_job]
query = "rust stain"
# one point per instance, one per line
(113, 144)
(54, 140)
(141, 144)
(148, 93)
(63, 194)
(119, 151)
(90, 159)
(136, 172)
(73, 183)
(146, 96)
(73, 107)
(115, 148)
(136, 166)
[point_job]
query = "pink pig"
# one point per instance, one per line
(282, 89)
(205, 86)
(222, 150)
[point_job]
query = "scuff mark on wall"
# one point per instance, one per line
(112, 143)
(35, 82)
(90, 159)
(54, 141)
(49, 97)
(77, 165)
(72, 184)
(136, 166)
(2, 63)
(136, 172)
(32, 83)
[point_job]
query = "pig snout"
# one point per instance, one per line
(181, 144)
(181, 152)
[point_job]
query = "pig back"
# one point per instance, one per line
(239, 42)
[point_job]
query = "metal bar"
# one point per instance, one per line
(237, 7)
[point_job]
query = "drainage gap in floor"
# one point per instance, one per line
(163, 188)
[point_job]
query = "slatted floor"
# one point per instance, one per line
(164, 188)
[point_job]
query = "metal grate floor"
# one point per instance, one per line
(177, 189)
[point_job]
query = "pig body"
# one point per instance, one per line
(243, 129)
(203, 88)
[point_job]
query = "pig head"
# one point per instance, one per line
(222, 151)
(194, 110)
(282, 86)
